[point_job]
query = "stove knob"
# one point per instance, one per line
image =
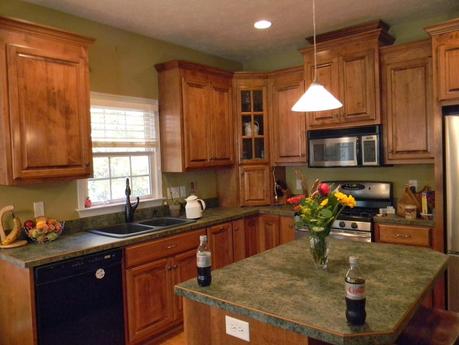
(354, 225)
(342, 224)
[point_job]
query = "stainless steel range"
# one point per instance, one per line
(357, 223)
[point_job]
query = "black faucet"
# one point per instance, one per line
(129, 209)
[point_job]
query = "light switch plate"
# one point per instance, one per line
(182, 191)
(38, 209)
(299, 185)
(237, 328)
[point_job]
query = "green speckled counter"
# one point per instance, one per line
(81, 243)
(281, 287)
(396, 220)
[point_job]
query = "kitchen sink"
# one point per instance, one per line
(144, 227)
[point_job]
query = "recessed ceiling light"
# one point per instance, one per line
(262, 24)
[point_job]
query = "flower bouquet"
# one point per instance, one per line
(317, 212)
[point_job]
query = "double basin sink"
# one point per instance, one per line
(143, 227)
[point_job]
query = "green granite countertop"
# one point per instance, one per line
(281, 287)
(396, 220)
(81, 243)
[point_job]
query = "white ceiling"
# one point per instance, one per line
(225, 27)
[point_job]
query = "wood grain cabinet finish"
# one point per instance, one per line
(445, 45)
(239, 240)
(407, 103)
(269, 232)
(287, 229)
(251, 235)
(288, 129)
(184, 266)
(44, 90)
(254, 185)
(196, 118)
(402, 234)
(221, 244)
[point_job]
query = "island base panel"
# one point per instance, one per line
(205, 325)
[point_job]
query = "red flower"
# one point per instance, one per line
(297, 208)
(324, 189)
(294, 200)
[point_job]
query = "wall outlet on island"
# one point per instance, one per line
(237, 328)
(38, 209)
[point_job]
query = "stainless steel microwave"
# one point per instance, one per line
(349, 147)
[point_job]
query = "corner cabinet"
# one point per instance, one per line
(407, 103)
(348, 66)
(288, 129)
(44, 98)
(196, 119)
(445, 44)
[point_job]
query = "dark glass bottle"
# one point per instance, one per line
(355, 294)
(204, 262)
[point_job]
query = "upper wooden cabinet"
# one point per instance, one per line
(254, 185)
(445, 45)
(44, 98)
(196, 119)
(288, 129)
(407, 103)
(348, 66)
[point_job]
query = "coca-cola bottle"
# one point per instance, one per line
(355, 294)
(204, 262)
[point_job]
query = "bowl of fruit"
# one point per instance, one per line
(43, 229)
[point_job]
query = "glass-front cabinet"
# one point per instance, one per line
(252, 118)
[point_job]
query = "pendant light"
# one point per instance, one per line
(316, 97)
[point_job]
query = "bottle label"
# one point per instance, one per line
(355, 291)
(204, 259)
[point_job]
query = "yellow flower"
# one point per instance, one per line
(324, 203)
(340, 196)
(350, 202)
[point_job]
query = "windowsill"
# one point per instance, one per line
(115, 208)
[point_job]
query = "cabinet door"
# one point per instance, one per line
(49, 112)
(269, 234)
(221, 244)
(287, 229)
(239, 240)
(448, 68)
(185, 269)
(288, 127)
(149, 302)
(328, 76)
(358, 87)
(254, 185)
(408, 116)
(221, 123)
(196, 106)
(251, 235)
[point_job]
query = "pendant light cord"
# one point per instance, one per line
(314, 38)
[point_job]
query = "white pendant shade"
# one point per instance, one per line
(316, 98)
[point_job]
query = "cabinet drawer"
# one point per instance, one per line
(415, 236)
(148, 251)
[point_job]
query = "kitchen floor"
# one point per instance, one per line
(177, 340)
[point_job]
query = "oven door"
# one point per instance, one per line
(333, 152)
(359, 236)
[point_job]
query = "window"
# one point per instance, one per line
(125, 140)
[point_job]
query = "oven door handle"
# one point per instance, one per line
(351, 235)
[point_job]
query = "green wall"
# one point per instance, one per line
(121, 63)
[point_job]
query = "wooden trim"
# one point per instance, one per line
(191, 66)
(438, 29)
(280, 72)
(39, 29)
(250, 75)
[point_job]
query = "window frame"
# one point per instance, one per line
(134, 103)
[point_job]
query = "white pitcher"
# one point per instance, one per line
(194, 207)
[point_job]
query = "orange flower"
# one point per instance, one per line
(295, 200)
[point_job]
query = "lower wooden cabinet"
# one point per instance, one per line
(287, 229)
(403, 234)
(251, 235)
(221, 244)
(268, 230)
(152, 270)
(239, 240)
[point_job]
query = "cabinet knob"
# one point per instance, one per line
(404, 236)
(170, 246)
(174, 267)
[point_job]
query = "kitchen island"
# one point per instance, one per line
(286, 300)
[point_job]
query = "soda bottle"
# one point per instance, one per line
(204, 262)
(355, 294)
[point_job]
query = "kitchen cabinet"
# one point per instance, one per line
(445, 46)
(152, 270)
(287, 229)
(221, 244)
(44, 90)
(251, 235)
(239, 240)
(407, 103)
(269, 232)
(288, 130)
(403, 234)
(254, 184)
(196, 118)
(348, 66)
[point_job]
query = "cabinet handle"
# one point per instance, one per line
(170, 246)
(404, 236)
(219, 231)
(174, 267)
(168, 268)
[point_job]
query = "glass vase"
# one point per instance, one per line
(319, 250)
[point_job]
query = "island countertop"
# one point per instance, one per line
(281, 287)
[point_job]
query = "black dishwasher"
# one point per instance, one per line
(80, 301)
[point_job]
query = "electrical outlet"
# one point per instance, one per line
(413, 183)
(38, 209)
(299, 185)
(175, 192)
(237, 328)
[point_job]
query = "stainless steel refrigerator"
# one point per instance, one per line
(451, 128)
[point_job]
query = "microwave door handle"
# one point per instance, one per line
(356, 163)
